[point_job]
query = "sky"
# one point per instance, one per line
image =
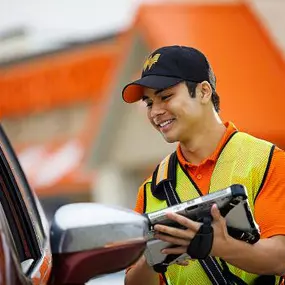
(51, 21)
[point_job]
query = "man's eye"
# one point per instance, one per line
(163, 98)
(148, 104)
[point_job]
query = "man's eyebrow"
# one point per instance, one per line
(144, 97)
(159, 91)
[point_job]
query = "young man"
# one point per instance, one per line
(178, 87)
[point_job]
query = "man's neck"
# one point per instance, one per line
(203, 145)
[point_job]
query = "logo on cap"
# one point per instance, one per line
(151, 61)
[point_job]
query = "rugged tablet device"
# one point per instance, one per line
(233, 205)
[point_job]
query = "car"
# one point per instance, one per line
(83, 240)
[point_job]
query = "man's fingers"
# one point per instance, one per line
(215, 212)
(174, 250)
(181, 233)
(186, 222)
(173, 240)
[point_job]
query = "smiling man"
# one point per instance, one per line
(178, 87)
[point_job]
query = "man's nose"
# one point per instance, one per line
(157, 109)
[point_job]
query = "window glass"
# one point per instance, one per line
(19, 183)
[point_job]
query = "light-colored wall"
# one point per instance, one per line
(42, 127)
(138, 144)
(271, 14)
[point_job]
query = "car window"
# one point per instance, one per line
(21, 207)
(30, 200)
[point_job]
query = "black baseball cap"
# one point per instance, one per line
(168, 66)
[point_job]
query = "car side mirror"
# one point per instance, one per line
(90, 239)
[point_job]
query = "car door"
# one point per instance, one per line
(26, 225)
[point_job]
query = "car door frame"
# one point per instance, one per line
(27, 216)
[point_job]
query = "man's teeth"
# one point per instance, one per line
(165, 123)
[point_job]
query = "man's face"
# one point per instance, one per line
(173, 112)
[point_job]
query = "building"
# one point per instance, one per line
(112, 144)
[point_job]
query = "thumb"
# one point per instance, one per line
(215, 212)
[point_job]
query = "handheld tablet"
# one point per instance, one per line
(196, 209)
(233, 205)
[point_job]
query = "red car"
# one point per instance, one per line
(85, 239)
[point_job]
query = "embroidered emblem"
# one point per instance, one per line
(150, 61)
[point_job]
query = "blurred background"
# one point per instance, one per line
(63, 64)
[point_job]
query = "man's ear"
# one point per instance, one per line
(206, 92)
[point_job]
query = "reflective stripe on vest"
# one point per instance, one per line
(244, 160)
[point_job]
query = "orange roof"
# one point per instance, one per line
(57, 167)
(56, 80)
(249, 67)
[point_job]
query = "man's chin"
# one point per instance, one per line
(170, 139)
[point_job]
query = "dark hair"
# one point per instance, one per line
(214, 98)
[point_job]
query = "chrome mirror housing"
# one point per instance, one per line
(90, 239)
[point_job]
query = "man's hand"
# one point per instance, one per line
(142, 273)
(266, 257)
(221, 236)
(183, 237)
